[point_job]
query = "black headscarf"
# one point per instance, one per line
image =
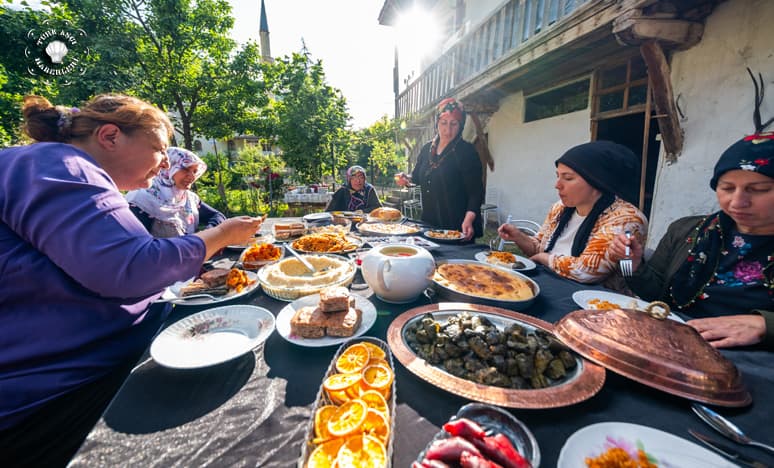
(612, 169)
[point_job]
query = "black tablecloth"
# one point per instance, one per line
(254, 410)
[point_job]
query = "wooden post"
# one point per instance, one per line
(663, 98)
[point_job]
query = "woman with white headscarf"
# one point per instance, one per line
(357, 195)
(169, 208)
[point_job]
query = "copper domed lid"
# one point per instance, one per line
(665, 354)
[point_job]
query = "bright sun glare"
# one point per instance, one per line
(418, 34)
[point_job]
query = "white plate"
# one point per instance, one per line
(287, 313)
(582, 298)
(447, 240)
(668, 450)
(212, 336)
(528, 264)
(173, 292)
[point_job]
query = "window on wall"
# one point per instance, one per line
(621, 88)
(557, 101)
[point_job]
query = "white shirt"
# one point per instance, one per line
(563, 245)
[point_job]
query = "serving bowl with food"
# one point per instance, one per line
(505, 259)
(326, 242)
(260, 254)
(444, 235)
(472, 281)
(492, 355)
(354, 414)
(288, 279)
(378, 228)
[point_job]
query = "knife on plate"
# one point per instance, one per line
(727, 451)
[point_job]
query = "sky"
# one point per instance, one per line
(357, 52)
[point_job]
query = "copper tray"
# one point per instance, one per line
(584, 382)
(662, 354)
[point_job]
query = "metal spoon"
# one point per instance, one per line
(186, 298)
(303, 261)
(726, 427)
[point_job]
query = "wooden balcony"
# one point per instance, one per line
(504, 42)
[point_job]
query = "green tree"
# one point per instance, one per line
(307, 114)
(376, 149)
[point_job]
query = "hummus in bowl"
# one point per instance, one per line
(288, 279)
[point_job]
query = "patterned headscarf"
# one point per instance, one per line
(751, 153)
(167, 203)
(453, 108)
(357, 198)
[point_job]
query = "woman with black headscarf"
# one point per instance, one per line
(719, 268)
(593, 181)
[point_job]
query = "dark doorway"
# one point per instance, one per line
(628, 130)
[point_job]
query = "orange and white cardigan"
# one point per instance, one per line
(593, 265)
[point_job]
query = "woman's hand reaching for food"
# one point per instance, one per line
(731, 330)
(617, 250)
(237, 230)
(467, 225)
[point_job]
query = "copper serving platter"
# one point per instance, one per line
(662, 354)
(584, 383)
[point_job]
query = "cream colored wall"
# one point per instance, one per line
(524, 155)
(716, 95)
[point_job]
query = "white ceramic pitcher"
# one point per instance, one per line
(398, 273)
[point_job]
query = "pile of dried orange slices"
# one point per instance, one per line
(354, 431)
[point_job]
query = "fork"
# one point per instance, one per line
(186, 298)
(626, 263)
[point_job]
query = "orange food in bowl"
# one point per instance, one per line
(262, 253)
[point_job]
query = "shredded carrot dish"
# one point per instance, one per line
(600, 304)
(237, 280)
(617, 457)
(261, 252)
(502, 257)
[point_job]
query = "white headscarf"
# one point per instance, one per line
(177, 209)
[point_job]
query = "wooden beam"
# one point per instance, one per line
(663, 99)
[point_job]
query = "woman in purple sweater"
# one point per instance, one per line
(79, 271)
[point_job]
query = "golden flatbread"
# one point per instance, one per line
(483, 281)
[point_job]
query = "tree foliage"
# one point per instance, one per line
(307, 114)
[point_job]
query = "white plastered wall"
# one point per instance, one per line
(716, 95)
(524, 155)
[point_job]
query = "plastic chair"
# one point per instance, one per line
(412, 207)
(524, 225)
(490, 205)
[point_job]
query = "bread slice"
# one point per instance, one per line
(344, 323)
(334, 299)
(308, 322)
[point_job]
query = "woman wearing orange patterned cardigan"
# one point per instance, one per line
(593, 180)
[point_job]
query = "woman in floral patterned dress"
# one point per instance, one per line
(719, 268)
(594, 181)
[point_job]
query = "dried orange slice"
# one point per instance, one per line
(353, 359)
(362, 451)
(353, 392)
(376, 425)
(321, 418)
(377, 361)
(348, 418)
(376, 351)
(339, 382)
(324, 455)
(375, 400)
(338, 398)
(377, 377)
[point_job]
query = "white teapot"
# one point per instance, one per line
(398, 273)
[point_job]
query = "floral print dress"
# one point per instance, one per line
(738, 283)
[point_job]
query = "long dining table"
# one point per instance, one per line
(254, 410)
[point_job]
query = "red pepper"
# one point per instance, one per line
(499, 448)
(471, 460)
(449, 450)
(466, 428)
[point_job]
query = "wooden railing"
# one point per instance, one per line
(502, 34)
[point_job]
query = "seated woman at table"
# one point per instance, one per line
(169, 208)
(356, 195)
(80, 272)
(449, 172)
(592, 180)
(719, 268)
